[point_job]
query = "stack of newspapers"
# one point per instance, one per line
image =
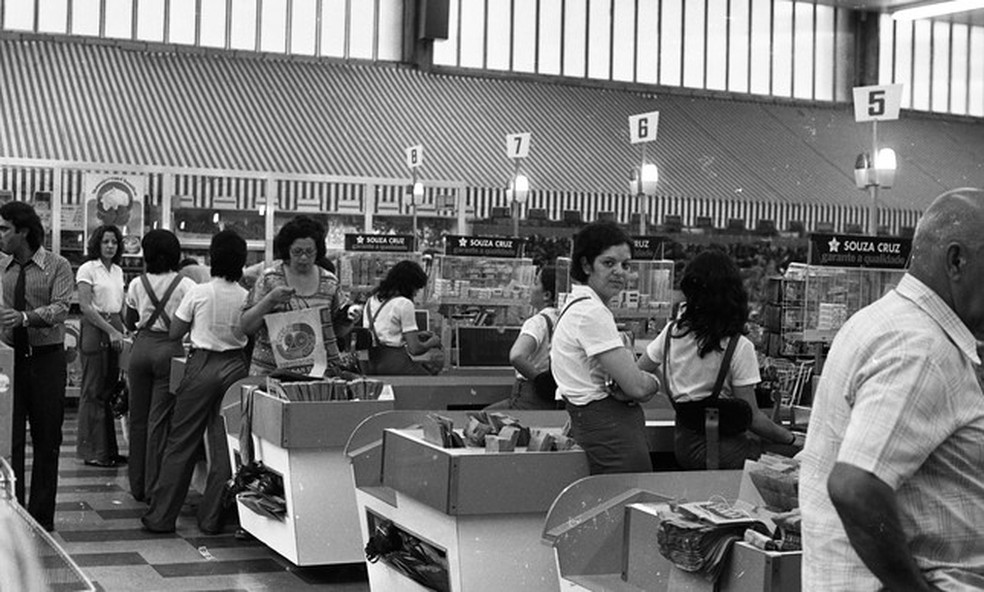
(697, 536)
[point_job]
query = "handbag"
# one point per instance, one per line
(735, 413)
(119, 400)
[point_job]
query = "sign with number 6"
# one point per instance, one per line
(415, 156)
(518, 145)
(877, 103)
(642, 127)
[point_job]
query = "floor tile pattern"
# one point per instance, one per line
(98, 525)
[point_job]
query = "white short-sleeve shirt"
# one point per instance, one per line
(691, 377)
(138, 300)
(107, 285)
(538, 329)
(586, 329)
(392, 319)
(214, 309)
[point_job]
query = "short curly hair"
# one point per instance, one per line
(93, 249)
(299, 227)
(593, 240)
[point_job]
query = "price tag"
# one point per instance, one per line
(415, 156)
(518, 145)
(642, 127)
(877, 103)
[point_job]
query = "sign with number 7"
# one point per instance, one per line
(642, 127)
(518, 145)
(877, 103)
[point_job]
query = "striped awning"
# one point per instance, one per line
(100, 101)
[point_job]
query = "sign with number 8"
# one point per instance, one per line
(877, 103)
(642, 127)
(415, 156)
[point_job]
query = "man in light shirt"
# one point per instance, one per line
(891, 483)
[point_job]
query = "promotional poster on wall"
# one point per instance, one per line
(116, 200)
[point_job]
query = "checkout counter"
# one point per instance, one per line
(479, 514)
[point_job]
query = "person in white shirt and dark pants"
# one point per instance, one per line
(212, 311)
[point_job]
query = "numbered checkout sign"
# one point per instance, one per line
(642, 127)
(877, 103)
(518, 145)
(415, 156)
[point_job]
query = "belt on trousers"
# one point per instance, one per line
(37, 350)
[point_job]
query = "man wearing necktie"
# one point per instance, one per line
(37, 288)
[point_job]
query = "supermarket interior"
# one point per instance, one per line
(772, 187)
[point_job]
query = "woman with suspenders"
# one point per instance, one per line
(150, 304)
(530, 353)
(596, 374)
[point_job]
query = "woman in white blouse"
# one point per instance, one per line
(100, 290)
(389, 316)
(595, 373)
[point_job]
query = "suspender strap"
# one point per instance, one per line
(158, 304)
(568, 306)
(372, 319)
(722, 371)
(546, 318)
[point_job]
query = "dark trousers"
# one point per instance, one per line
(151, 404)
(207, 377)
(524, 397)
(39, 399)
(690, 450)
(613, 436)
(97, 428)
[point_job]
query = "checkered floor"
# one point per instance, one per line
(97, 523)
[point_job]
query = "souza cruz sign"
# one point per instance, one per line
(483, 246)
(401, 243)
(846, 250)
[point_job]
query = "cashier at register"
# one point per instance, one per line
(595, 373)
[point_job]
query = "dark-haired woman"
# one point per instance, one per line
(530, 353)
(716, 310)
(389, 314)
(151, 301)
(99, 284)
(212, 311)
(595, 373)
(294, 282)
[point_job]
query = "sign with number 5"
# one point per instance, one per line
(518, 145)
(415, 156)
(642, 127)
(877, 103)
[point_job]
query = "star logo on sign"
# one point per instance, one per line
(463, 242)
(360, 239)
(834, 245)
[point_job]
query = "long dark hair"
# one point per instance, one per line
(403, 279)
(717, 303)
(94, 247)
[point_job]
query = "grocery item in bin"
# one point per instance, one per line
(439, 430)
(700, 546)
(476, 432)
(777, 481)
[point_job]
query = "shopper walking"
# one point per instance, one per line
(212, 311)
(151, 301)
(37, 289)
(99, 284)
(294, 282)
(891, 487)
(688, 356)
(595, 373)
(389, 316)
(530, 353)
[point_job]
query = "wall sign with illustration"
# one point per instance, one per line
(116, 200)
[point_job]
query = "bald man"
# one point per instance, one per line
(892, 475)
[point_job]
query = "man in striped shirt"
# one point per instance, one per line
(37, 288)
(891, 483)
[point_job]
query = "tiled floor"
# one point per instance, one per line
(97, 523)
